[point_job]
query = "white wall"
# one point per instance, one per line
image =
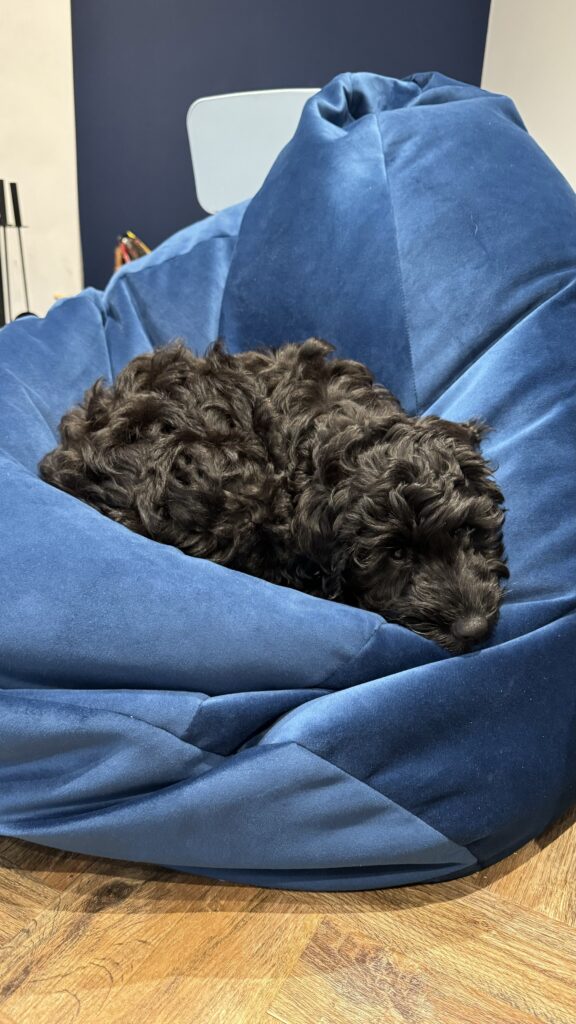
(38, 146)
(531, 56)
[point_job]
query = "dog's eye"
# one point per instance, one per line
(461, 531)
(398, 555)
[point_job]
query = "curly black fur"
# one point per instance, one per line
(299, 469)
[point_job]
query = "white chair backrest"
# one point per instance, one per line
(234, 140)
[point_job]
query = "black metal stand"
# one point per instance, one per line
(5, 292)
(18, 224)
(2, 310)
(3, 224)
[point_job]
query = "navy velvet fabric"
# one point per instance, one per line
(161, 708)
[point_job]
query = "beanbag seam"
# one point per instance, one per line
(378, 792)
(398, 265)
(352, 661)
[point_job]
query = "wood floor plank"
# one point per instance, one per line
(21, 898)
(228, 969)
(522, 960)
(541, 876)
(56, 931)
(346, 977)
(101, 954)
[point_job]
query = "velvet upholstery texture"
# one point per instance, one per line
(159, 708)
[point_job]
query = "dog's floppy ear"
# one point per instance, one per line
(469, 432)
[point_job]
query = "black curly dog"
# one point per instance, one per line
(297, 468)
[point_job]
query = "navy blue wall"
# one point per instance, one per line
(138, 64)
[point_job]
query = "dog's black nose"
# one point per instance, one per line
(470, 627)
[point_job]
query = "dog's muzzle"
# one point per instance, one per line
(470, 628)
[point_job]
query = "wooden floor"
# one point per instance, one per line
(85, 940)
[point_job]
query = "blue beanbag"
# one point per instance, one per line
(159, 708)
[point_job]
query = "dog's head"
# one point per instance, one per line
(419, 520)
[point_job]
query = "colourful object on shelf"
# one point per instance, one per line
(129, 248)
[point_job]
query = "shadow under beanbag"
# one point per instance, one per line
(160, 708)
